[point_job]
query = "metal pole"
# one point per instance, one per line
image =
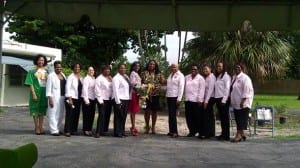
(1, 34)
(179, 48)
(184, 43)
(165, 40)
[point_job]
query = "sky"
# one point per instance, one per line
(172, 45)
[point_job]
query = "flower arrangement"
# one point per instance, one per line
(144, 92)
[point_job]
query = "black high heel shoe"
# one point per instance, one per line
(244, 138)
(235, 140)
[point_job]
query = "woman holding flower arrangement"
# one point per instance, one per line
(152, 80)
(134, 106)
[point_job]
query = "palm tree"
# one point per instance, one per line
(265, 54)
(200, 48)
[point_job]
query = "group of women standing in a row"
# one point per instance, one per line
(56, 92)
(53, 92)
(201, 93)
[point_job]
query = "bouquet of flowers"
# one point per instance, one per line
(144, 92)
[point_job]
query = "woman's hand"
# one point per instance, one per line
(205, 105)
(70, 102)
(242, 102)
(34, 97)
(51, 102)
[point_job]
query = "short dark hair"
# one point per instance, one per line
(56, 63)
(195, 65)
(120, 64)
(207, 65)
(241, 65)
(35, 60)
(105, 67)
(74, 64)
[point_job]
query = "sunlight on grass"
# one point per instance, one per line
(282, 137)
(275, 100)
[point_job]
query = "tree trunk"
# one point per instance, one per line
(141, 50)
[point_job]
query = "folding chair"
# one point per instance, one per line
(264, 114)
(232, 118)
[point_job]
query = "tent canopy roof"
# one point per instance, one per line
(190, 15)
(25, 64)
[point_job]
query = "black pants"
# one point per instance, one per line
(241, 118)
(223, 110)
(172, 108)
(192, 115)
(72, 116)
(208, 118)
(88, 115)
(120, 115)
(104, 112)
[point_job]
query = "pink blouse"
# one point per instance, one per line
(194, 88)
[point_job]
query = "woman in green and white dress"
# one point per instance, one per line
(36, 78)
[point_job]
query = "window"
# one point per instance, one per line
(16, 75)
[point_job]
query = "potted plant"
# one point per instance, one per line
(281, 111)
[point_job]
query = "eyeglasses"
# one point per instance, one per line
(194, 69)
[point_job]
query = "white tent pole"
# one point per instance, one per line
(1, 40)
(179, 46)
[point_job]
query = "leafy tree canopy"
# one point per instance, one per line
(82, 41)
(148, 45)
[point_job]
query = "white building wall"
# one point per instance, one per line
(19, 95)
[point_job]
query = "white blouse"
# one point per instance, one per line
(72, 86)
(209, 87)
(121, 88)
(103, 88)
(53, 85)
(88, 89)
(242, 88)
(194, 88)
(222, 87)
(175, 85)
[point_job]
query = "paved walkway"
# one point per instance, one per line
(159, 150)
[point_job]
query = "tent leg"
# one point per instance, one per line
(1, 41)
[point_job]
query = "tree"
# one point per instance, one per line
(147, 44)
(200, 48)
(293, 68)
(82, 41)
(265, 54)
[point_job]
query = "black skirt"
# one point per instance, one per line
(153, 103)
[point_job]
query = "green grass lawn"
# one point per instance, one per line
(293, 120)
(290, 101)
(282, 137)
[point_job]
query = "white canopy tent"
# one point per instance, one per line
(187, 15)
(181, 15)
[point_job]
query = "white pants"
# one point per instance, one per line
(56, 114)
